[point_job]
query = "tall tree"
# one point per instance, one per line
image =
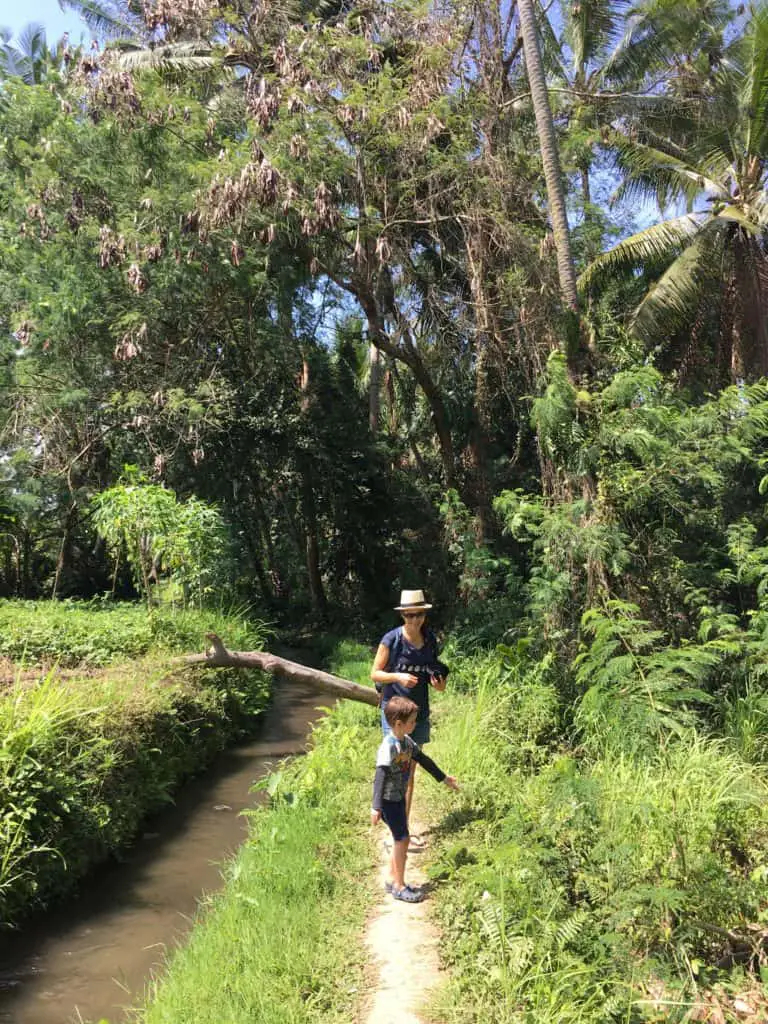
(549, 153)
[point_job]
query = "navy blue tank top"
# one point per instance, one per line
(417, 661)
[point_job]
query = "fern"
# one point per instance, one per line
(637, 687)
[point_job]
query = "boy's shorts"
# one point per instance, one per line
(393, 813)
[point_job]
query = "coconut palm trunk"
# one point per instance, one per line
(549, 152)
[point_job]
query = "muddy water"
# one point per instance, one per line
(92, 958)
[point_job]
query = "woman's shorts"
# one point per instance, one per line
(420, 734)
(393, 813)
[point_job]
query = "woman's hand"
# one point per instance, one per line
(375, 817)
(451, 783)
(406, 679)
(438, 682)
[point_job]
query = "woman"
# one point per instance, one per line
(406, 665)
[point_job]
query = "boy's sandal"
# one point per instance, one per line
(388, 886)
(408, 895)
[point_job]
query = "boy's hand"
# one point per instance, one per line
(375, 817)
(451, 783)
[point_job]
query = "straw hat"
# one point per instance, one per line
(412, 600)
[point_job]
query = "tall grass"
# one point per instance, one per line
(590, 889)
(98, 633)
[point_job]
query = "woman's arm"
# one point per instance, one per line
(380, 675)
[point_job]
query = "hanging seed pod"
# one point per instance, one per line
(236, 252)
(298, 147)
(290, 196)
(127, 348)
(136, 279)
(346, 115)
(24, 332)
(268, 181)
(383, 250)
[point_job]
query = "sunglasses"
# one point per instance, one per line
(413, 615)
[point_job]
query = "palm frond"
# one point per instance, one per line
(592, 26)
(170, 57)
(756, 84)
(673, 300)
(32, 40)
(107, 19)
(643, 47)
(551, 47)
(656, 244)
(649, 171)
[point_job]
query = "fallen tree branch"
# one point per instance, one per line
(217, 656)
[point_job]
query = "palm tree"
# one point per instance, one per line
(549, 152)
(31, 59)
(709, 265)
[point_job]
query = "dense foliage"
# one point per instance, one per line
(590, 885)
(299, 265)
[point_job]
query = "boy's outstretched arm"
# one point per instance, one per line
(426, 762)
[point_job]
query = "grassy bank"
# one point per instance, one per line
(585, 888)
(281, 944)
(94, 633)
(83, 759)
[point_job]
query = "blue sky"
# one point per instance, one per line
(15, 14)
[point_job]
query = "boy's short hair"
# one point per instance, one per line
(399, 709)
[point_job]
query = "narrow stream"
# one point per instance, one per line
(91, 958)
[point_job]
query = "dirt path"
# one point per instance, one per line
(403, 946)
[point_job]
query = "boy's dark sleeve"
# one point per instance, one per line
(378, 786)
(421, 758)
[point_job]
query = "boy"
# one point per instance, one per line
(393, 769)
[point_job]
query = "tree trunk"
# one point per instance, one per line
(439, 418)
(309, 510)
(410, 358)
(549, 153)
(374, 388)
(62, 559)
(218, 656)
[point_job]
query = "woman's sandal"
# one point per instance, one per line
(408, 895)
(417, 844)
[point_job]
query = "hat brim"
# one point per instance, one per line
(412, 607)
